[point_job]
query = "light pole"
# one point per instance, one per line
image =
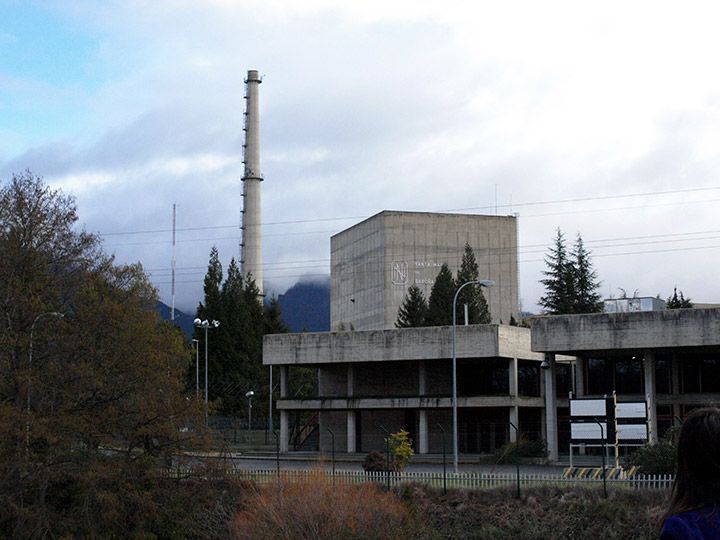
(206, 324)
(249, 395)
(30, 359)
(481, 283)
(196, 343)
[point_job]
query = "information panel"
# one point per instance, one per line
(632, 432)
(588, 407)
(588, 431)
(633, 409)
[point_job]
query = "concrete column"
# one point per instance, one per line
(283, 382)
(422, 379)
(423, 445)
(284, 431)
(650, 394)
(351, 432)
(514, 392)
(675, 381)
(513, 417)
(551, 435)
(580, 370)
(513, 376)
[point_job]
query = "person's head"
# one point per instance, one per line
(697, 480)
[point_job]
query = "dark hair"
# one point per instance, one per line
(697, 477)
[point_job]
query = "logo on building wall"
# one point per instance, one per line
(399, 273)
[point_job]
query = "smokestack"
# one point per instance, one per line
(251, 263)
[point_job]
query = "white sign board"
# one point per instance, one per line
(588, 407)
(587, 431)
(635, 409)
(632, 432)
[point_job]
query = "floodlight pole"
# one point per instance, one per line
(481, 283)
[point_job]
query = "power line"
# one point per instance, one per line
(494, 263)
(345, 218)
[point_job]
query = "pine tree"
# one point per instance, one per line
(472, 295)
(413, 311)
(559, 282)
(678, 301)
(585, 286)
(272, 318)
(441, 299)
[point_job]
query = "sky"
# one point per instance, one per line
(599, 119)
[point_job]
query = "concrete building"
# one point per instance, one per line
(402, 378)
(670, 359)
(374, 262)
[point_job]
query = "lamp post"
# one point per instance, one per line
(206, 324)
(30, 359)
(481, 283)
(196, 344)
(249, 395)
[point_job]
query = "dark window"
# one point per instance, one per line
(622, 374)
(484, 377)
(710, 374)
(599, 376)
(663, 374)
(690, 371)
(528, 378)
(628, 375)
(563, 380)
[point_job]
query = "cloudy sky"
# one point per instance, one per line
(598, 118)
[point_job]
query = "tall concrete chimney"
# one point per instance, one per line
(251, 262)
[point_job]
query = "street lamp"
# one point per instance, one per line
(481, 283)
(249, 395)
(196, 344)
(206, 324)
(30, 359)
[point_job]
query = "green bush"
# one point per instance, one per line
(400, 449)
(658, 458)
(376, 462)
(523, 448)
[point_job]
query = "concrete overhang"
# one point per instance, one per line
(428, 343)
(668, 329)
(423, 402)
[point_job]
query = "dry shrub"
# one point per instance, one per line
(315, 509)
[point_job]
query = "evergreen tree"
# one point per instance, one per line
(441, 299)
(272, 318)
(472, 295)
(235, 347)
(413, 310)
(559, 281)
(585, 284)
(678, 301)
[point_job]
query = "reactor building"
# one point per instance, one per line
(375, 261)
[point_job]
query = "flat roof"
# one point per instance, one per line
(426, 343)
(664, 329)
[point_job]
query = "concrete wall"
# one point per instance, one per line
(627, 331)
(374, 262)
(474, 341)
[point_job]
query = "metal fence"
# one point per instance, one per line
(437, 479)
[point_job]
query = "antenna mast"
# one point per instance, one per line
(172, 307)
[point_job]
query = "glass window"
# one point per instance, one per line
(563, 380)
(599, 376)
(690, 372)
(663, 374)
(628, 375)
(484, 377)
(528, 378)
(710, 374)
